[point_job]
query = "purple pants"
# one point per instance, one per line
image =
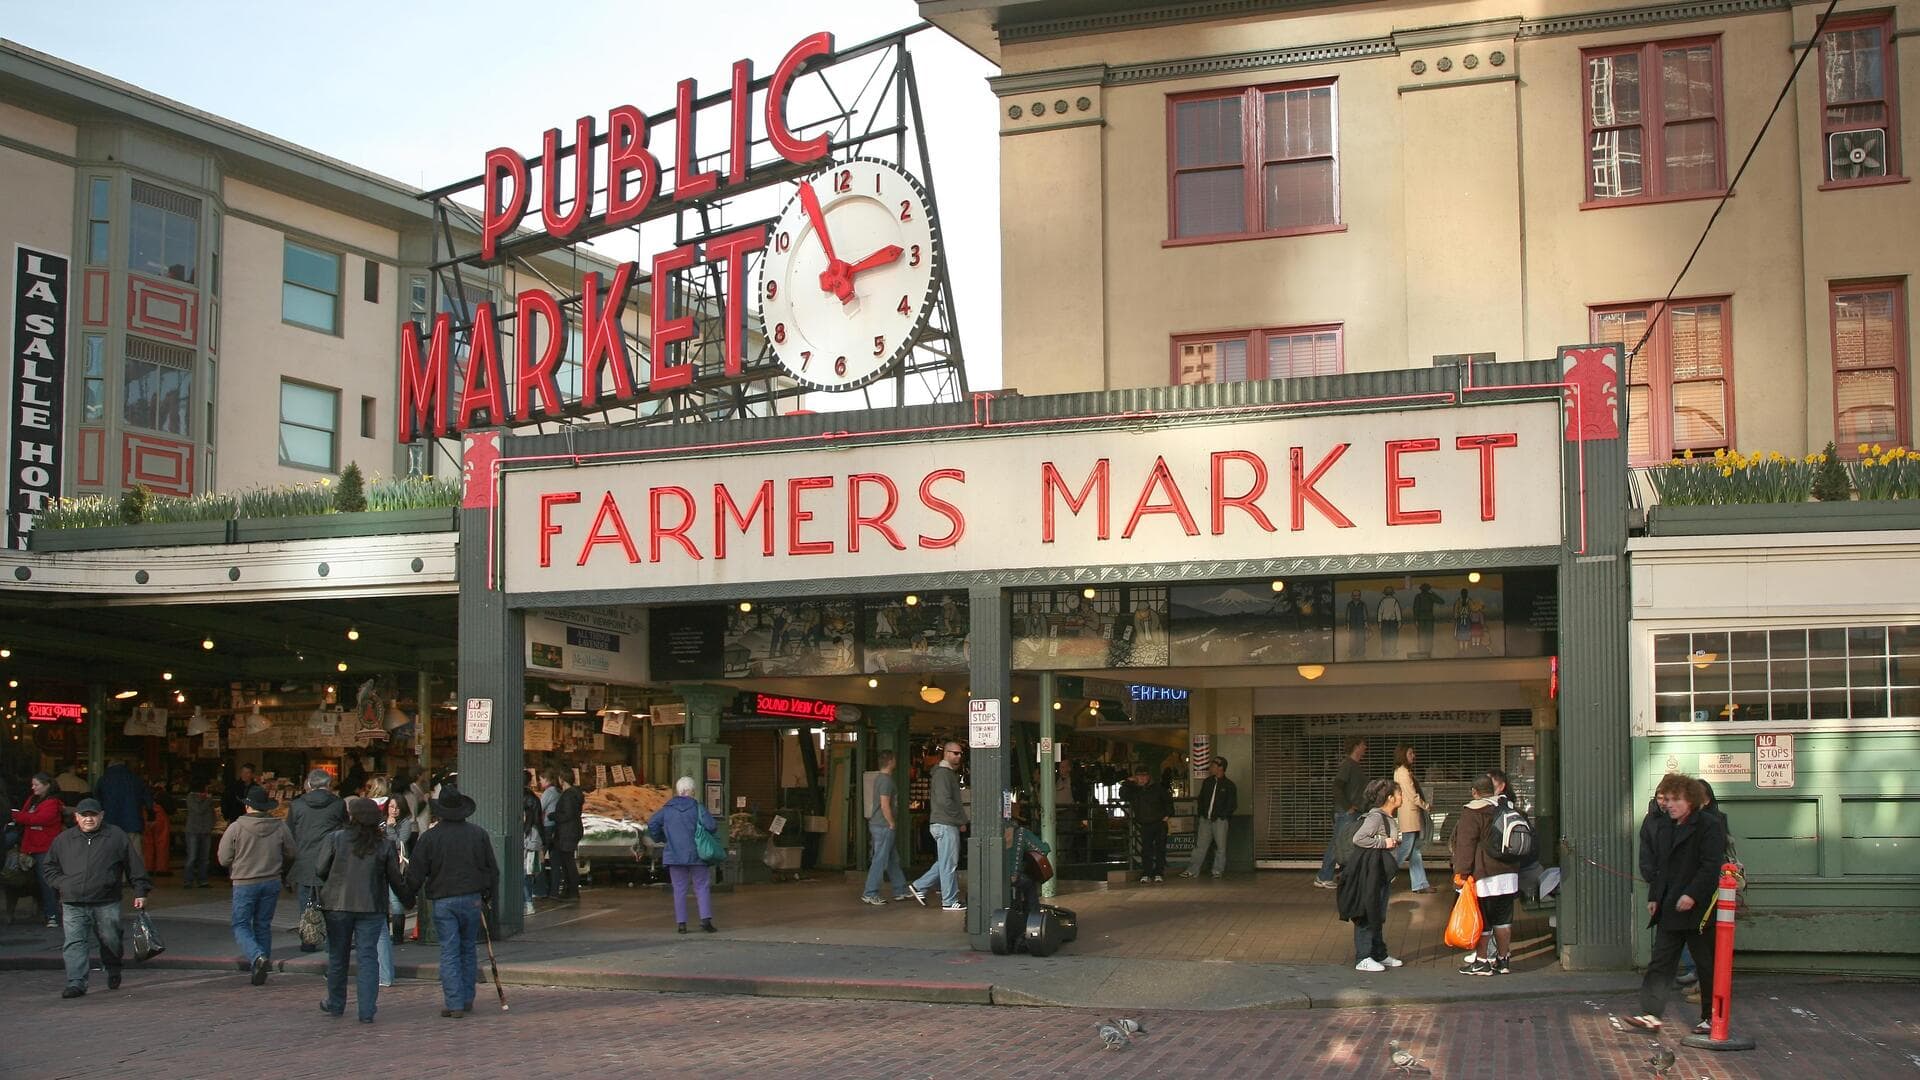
(700, 876)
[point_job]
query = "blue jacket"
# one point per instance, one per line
(673, 826)
(123, 798)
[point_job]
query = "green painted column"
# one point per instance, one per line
(890, 732)
(703, 746)
(1049, 808)
(96, 732)
(1598, 811)
(990, 615)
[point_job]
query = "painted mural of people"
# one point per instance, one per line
(1356, 614)
(1462, 622)
(1389, 613)
(1425, 603)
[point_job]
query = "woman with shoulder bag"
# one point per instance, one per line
(39, 819)
(1368, 875)
(356, 865)
(399, 829)
(674, 825)
(1412, 818)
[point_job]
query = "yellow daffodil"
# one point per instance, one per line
(1726, 470)
(1876, 448)
(1720, 454)
(1861, 450)
(1688, 455)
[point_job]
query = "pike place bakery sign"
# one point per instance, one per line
(1424, 480)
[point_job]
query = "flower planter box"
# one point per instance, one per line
(1782, 518)
(365, 523)
(154, 534)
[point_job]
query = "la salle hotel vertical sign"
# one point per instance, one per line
(37, 380)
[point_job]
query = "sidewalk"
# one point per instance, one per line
(1259, 942)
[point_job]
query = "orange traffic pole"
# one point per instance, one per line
(1719, 1038)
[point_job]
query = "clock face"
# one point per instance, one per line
(849, 274)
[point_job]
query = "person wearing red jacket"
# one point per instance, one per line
(40, 822)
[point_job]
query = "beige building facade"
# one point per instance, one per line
(1249, 190)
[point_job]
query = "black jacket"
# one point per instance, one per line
(311, 818)
(1651, 827)
(1224, 807)
(89, 867)
(1687, 858)
(453, 858)
(352, 882)
(234, 802)
(1362, 896)
(1150, 803)
(566, 819)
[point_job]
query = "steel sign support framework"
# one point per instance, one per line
(868, 105)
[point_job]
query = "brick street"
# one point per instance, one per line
(164, 1024)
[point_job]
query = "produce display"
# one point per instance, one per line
(628, 802)
(596, 829)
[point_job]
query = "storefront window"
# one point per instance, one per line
(1788, 675)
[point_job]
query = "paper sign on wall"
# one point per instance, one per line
(1737, 768)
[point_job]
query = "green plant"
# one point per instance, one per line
(86, 512)
(206, 506)
(295, 500)
(413, 493)
(134, 503)
(1730, 478)
(1886, 474)
(1830, 482)
(350, 496)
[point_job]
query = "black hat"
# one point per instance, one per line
(257, 799)
(451, 805)
(88, 806)
(364, 811)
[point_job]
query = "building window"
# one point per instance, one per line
(164, 233)
(1262, 161)
(310, 288)
(1869, 364)
(93, 378)
(366, 417)
(1680, 384)
(99, 207)
(1252, 355)
(159, 387)
(1787, 675)
(1653, 121)
(309, 417)
(370, 282)
(1859, 110)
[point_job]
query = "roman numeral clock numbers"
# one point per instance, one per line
(851, 272)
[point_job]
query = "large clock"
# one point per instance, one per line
(850, 274)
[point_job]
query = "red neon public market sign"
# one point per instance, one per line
(524, 387)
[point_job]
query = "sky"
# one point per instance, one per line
(420, 91)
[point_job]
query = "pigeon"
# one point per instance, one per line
(1404, 1060)
(1113, 1037)
(1660, 1063)
(1130, 1026)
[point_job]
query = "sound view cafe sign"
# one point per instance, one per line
(501, 389)
(1443, 479)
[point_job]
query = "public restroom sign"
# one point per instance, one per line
(1418, 480)
(37, 381)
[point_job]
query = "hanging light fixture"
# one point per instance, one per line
(353, 634)
(341, 666)
(931, 693)
(1016, 699)
(166, 676)
(125, 694)
(873, 683)
(1056, 706)
(912, 599)
(206, 643)
(180, 697)
(1278, 585)
(1311, 672)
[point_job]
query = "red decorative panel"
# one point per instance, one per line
(93, 305)
(155, 307)
(92, 470)
(164, 465)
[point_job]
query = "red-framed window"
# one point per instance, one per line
(1289, 352)
(1251, 162)
(1869, 324)
(1679, 393)
(1653, 121)
(1859, 106)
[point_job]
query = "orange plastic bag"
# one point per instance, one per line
(1464, 925)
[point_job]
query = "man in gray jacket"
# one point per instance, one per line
(253, 849)
(947, 816)
(311, 818)
(87, 865)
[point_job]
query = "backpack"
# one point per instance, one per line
(1343, 849)
(1510, 837)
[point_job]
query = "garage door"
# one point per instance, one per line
(1295, 757)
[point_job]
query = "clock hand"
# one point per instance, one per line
(879, 258)
(834, 278)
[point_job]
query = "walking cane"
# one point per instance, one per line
(492, 967)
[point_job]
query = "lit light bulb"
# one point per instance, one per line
(873, 684)
(912, 599)
(180, 697)
(1474, 577)
(341, 666)
(1089, 592)
(13, 684)
(1016, 699)
(4, 653)
(1278, 585)
(746, 605)
(1056, 706)
(206, 643)
(166, 676)
(353, 634)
